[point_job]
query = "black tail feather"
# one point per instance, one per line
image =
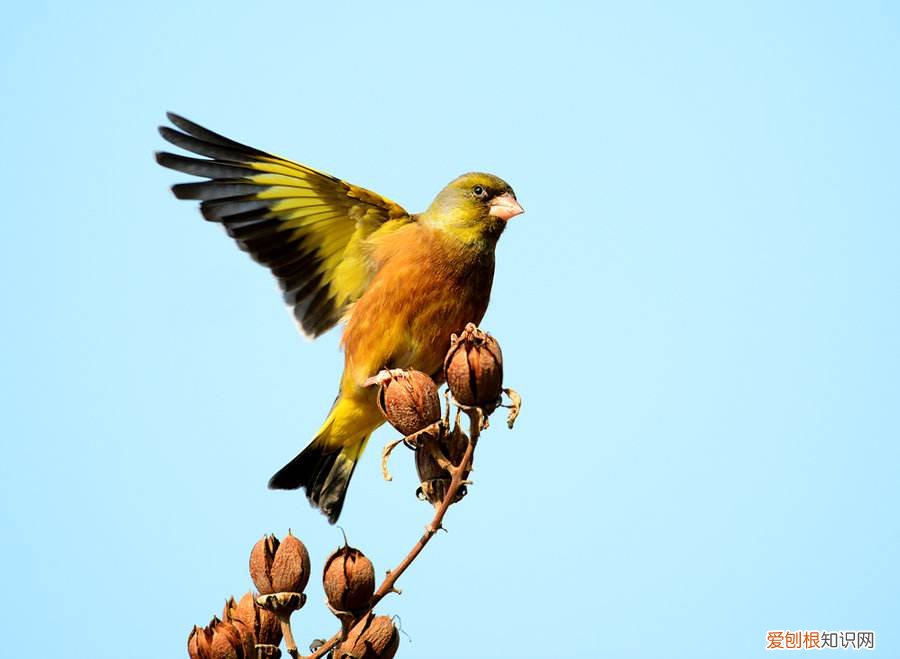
(324, 473)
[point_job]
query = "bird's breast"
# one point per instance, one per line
(422, 293)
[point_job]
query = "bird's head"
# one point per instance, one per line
(474, 206)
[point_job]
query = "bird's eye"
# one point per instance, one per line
(478, 191)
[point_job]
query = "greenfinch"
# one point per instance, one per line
(401, 283)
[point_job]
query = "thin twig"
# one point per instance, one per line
(455, 483)
(327, 646)
(476, 421)
(289, 643)
(434, 448)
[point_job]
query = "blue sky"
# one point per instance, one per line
(700, 309)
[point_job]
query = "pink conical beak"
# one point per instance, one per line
(505, 207)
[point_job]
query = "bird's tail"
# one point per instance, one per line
(324, 467)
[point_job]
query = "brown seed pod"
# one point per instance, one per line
(227, 642)
(199, 642)
(473, 368)
(291, 568)
(263, 625)
(410, 402)
(374, 637)
(435, 479)
(230, 609)
(349, 580)
(218, 640)
(231, 615)
(279, 567)
(261, 557)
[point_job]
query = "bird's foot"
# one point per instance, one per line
(384, 376)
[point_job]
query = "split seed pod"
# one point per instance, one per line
(248, 638)
(474, 368)
(435, 479)
(247, 615)
(200, 642)
(218, 640)
(279, 567)
(349, 580)
(375, 637)
(410, 402)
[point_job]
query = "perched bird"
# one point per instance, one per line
(401, 283)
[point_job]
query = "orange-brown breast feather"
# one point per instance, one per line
(428, 285)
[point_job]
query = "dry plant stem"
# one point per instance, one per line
(440, 458)
(327, 646)
(289, 643)
(409, 440)
(347, 619)
(385, 454)
(476, 421)
(456, 481)
(448, 405)
(515, 406)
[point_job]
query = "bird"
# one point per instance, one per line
(400, 283)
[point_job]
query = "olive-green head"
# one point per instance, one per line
(474, 206)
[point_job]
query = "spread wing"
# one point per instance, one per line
(309, 228)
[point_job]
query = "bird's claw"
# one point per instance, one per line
(384, 376)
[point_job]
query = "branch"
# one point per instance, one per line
(476, 420)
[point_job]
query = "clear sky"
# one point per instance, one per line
(700, 309)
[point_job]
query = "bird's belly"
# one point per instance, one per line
(407, 324)
(430, 328)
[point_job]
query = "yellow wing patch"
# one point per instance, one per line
(309, 228)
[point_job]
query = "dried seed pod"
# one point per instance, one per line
(410, 402)
(262, 624)
(279, 567)
(374, 637)
(291, 568)
(435, 479)
(227, 642)
(218, 640)
(261, 557)
(349, 580)
(230, 609)
(266, 627)
(199, 642)
(231, 615)
(473, 368)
